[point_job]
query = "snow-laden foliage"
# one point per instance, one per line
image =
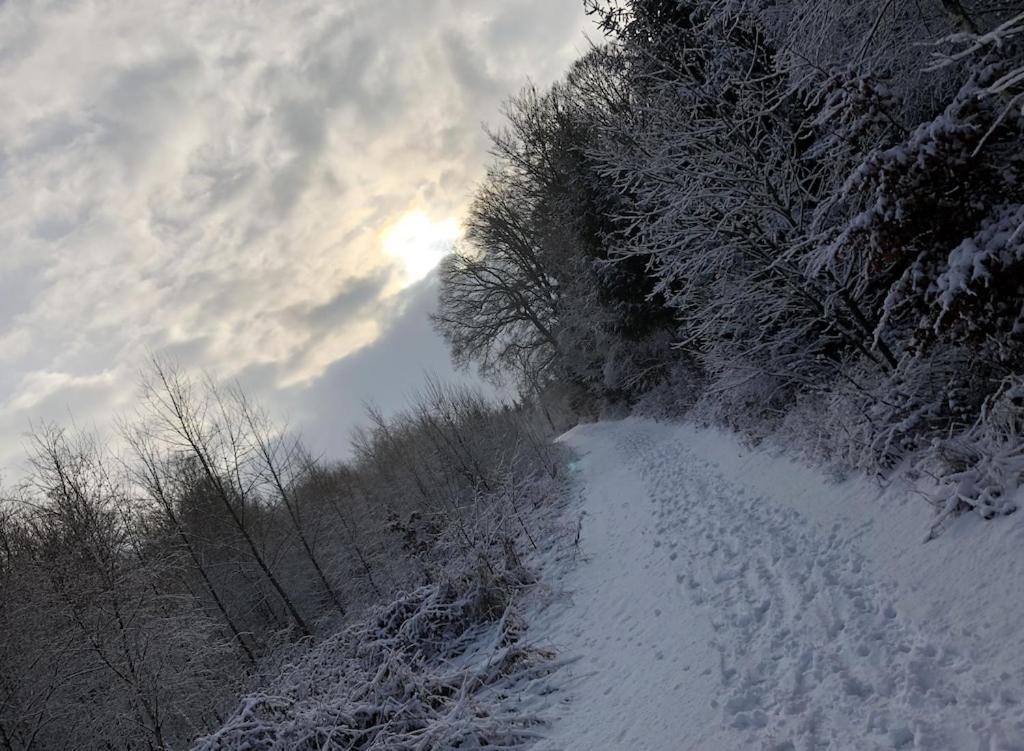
(531, 293)
(142, 594)
(821, 203)
(983, 466)
(443, 667)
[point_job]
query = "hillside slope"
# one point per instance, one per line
(725, 598)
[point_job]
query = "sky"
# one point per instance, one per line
(255, 188)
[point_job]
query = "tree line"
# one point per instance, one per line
(144, 589)
(799, 218)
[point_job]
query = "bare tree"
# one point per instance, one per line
(152, 472)
(201, 426)
(282, 464)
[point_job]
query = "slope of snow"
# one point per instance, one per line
(725, 598)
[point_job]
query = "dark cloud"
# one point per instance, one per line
(302, 125)
(385, 373)
(468, 64)
(350, 300)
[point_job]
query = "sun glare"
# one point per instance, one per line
(419, 243)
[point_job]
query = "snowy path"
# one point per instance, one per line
(725, 599)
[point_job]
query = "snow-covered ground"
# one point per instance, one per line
(725, 598)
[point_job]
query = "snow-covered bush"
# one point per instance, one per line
(934, 238)
(982, 468)
(464, 490)
(443, 667)
(675, 394)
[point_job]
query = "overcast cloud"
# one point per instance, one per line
(212, 180)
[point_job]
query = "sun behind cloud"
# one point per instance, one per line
(218, 190)
(418, 243)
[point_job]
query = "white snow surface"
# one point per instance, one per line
(725, 598)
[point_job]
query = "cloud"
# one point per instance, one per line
(37, 386)
(385, 373)
(211, 180)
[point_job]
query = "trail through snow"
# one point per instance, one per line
(725, 598)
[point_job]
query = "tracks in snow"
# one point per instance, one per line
(707, 616)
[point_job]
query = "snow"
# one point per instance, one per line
(729, 598)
